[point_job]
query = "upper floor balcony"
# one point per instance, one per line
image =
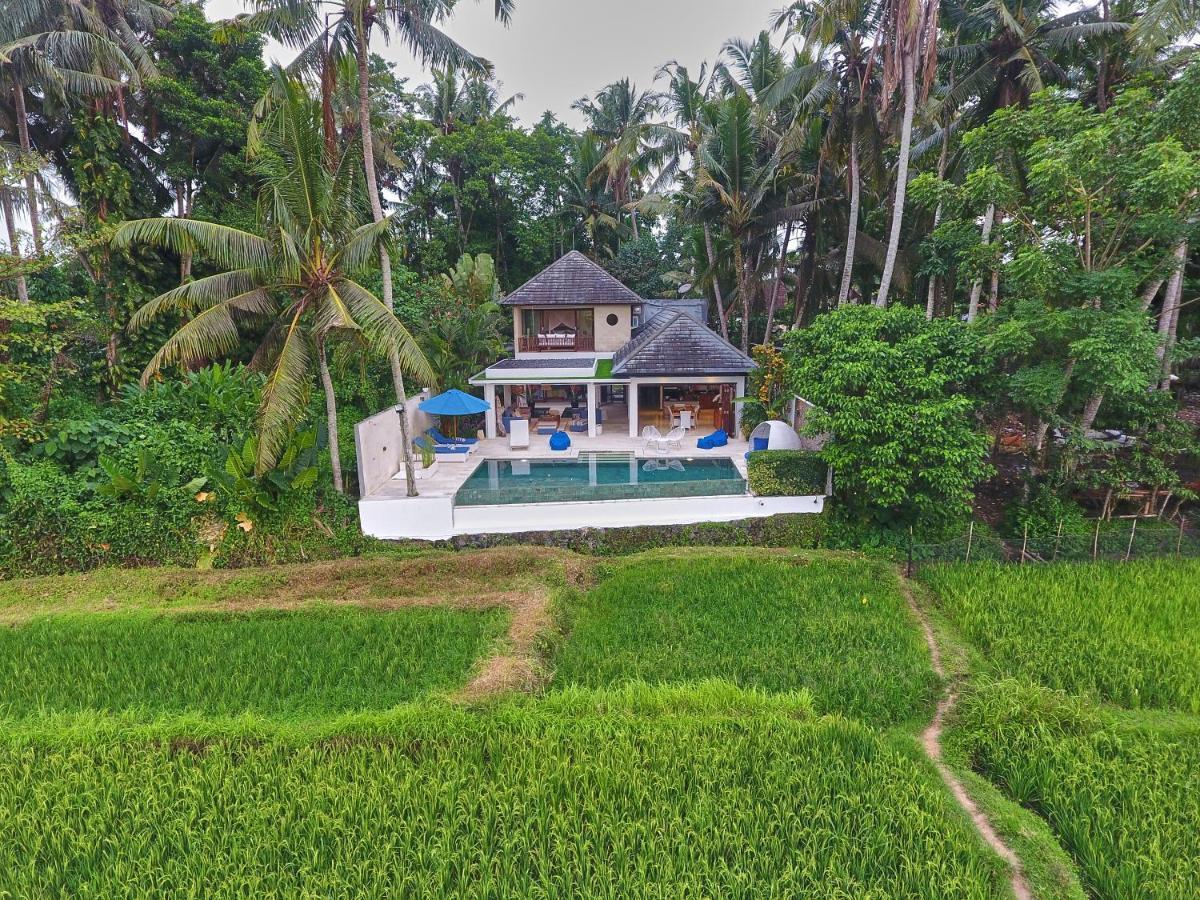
(556, 341)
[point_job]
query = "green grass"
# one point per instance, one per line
(1125, 633)
(837, 627)
(521, 801)
(307, 663)
(1119, 790)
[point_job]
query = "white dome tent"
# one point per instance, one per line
(776, 435)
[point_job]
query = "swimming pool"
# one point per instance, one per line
(597, 476)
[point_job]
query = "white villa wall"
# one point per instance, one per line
(436, 518)
(379, 446)
(611, 338)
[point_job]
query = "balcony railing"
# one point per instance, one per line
(539, 343)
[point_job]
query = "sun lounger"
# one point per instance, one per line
(447, 452)
(439, 438)
(710, 441)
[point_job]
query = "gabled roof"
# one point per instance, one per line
(571, 280)
(674, 343)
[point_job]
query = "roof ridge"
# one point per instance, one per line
(601, 281)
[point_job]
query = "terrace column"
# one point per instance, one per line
(739, 390)
(489, 417)
(591, 408)
(631, 395)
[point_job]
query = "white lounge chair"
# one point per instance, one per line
(674, 438)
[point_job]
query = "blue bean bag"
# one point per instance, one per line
(560, 440)
(717, 439)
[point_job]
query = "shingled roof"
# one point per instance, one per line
(571, 280)
(673, 343)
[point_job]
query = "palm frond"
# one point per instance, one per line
(228, 247)
(285, 391)
(385, 332)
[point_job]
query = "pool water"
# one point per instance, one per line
(599, 476)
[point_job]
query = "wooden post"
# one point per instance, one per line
(910, 551)
(1179, 539)
(1096, 542)
(970, 539)
(1057, 539)
(1024, 542)
(1132, 532)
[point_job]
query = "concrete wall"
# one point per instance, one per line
(610, 338)
(377, 440)
(436, 518)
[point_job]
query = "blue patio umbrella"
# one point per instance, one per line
(454, 403)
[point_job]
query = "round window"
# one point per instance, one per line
(612, 319)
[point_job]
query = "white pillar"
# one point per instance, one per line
(507, 395)
(591, 408)
(739, 390)
(489, 417)
(631, 394)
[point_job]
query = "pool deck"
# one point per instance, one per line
(389, 513)
(449, 476)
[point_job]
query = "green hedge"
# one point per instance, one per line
(804, 530)
(786, 473)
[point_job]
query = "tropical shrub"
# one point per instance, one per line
(898, 395)
(786, 473)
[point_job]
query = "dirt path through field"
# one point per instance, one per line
(931, 742)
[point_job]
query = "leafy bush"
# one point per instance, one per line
(899, 395)
(786, 473)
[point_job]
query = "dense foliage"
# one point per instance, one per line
(1028, 178)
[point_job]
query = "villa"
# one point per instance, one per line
(570, 423)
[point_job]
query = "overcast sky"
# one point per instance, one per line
(556, 51)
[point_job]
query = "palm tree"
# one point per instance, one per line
(735, 179)
(840, 33)
(297, 275)
(621, 117)
(585, 201)
(328, 29)
(909, 38)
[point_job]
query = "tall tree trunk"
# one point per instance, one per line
(985, 237)
(14, 242)
(808, 266)
(739, 262)
(852, 228)
(335, 456)
(910, 103)
(931, 292)
(778, 286)
(1168, 316)
(385, 262)
(31, 201)
(1090, 411)
(994, 292)
(1151, 292)
(633, 218)
(722, 316)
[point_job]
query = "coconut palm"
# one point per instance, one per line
(909, 42)
(844, 90)
(297, 275)
(331, 28)
(621, 117)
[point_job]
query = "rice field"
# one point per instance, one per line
(311, 662)
(1121, 794)
(838, 627)
(1123, 633)
(431, 801)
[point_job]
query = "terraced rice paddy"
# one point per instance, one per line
(1124, 633)
(714, 723)
(1070, 645)
(436, 802)
(838, 627)
(311, 662)
(1121, 795)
